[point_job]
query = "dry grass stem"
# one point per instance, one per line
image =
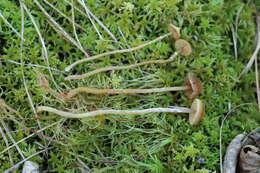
(254, 56)
(90, 14)
(45, 52)
(8, 24)
(32, 65)
(21, 60)
(29, 136)
(73, 24)
(64, 15)
(24, 160)
(59, 29)
(7, 145)
(11, 137)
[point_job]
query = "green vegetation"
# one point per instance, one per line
(146, 143)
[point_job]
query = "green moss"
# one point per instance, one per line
(149, 143)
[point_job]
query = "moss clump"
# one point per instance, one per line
(160, 143)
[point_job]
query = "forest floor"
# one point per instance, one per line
(154, 142)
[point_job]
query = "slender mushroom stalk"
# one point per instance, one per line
(182, 47)
(196, 112)
(82, 76)
(192, 87)
(173, 31)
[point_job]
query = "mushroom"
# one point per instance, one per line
(82, 76)
(183, 47)
(196, 112)
(192, 89)
(44, 84)
(173, 31)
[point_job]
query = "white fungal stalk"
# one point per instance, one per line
(196, 112)
(112, 111)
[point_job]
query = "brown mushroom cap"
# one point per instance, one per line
(175, 31)
(183, 47)
(197, 112)
(194, 86)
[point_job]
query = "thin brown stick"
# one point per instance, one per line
(115, 52)
(82, 76)
(76, 91)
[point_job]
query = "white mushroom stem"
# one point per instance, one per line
(68, 68)
(174, 109)
(82, 76)
(196, 112)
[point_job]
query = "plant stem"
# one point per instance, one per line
(64, 15)
(59, 29)
(111, 111)
(82, 76)
(76, 91)
(115, 52)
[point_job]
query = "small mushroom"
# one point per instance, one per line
(196, 112)
(183, 47)
(173, 31)
(194, 86)
(192, 89)
(44, 84)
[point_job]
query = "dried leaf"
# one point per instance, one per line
(232, 153)
(249, 161)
